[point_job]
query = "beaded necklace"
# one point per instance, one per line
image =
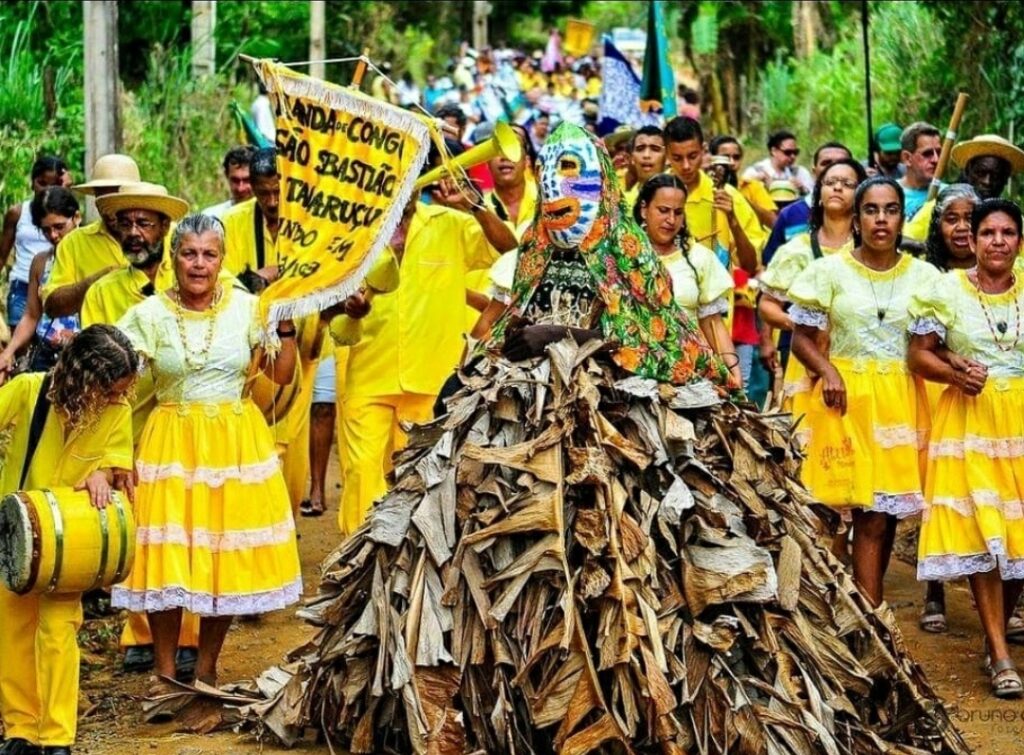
(195, 360)
(999, 328)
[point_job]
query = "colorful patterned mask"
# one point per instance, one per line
(655, 338)
(570, 178)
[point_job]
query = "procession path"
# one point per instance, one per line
(112, 725)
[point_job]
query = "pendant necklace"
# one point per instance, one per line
(1001, 326)
(880, 311)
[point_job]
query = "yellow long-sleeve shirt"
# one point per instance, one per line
(412, 337)
(62, 458)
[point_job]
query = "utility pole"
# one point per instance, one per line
(317, 38)
(204, 38)
(481, 10)
(102, 107)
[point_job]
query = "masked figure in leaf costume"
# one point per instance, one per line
(597, 555)
(587, 267)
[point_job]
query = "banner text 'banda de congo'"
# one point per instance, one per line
(348, 163)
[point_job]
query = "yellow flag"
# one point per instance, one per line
(348, 163)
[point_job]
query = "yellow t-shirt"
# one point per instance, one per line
(240, 239)
(710, 227)
(757, 195)
(61, 459)
(115, 293)
(83, 252)
(412, 338)
(916, 229)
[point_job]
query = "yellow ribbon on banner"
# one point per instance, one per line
(348, 166)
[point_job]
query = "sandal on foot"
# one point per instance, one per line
(308, 508)
(1015, 630)
(1006, 681)
(933, 618)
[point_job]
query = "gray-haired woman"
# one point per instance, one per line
(215, 533)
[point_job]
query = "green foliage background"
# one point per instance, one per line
(178, 127)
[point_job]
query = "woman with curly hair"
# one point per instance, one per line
(701, 284)
(947, 247)
(86, 438)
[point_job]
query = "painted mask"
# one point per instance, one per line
(570, 184)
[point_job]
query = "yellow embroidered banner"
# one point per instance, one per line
(348, 163)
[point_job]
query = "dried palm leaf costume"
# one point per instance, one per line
(587, 556)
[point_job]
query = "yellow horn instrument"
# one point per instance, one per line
(504, 142)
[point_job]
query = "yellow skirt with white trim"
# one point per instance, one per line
(974, 519)
(869, 458)
(214, 529)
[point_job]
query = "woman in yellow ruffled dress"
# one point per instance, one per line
(947, 247)
(968, 333)
(862, 416)
(215, 532)
(701, 284)
(831, 231)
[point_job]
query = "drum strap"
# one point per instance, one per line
(35, 428)
(261, 253)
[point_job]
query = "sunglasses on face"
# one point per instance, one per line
(929, 153)
(790, 152)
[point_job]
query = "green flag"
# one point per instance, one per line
(659, 84)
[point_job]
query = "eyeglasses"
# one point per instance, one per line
(889, 210)
(837, 183)
(790, 152)
(929, 153)
(126, 224)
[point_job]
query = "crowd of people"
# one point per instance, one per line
(889, 325)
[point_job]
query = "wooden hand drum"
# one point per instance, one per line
(56, 541)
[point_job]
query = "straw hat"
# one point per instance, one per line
(989, 144)
(782, 191)
(110, 171)
(143, 196)
(619, 135)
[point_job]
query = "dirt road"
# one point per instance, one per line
(112, 725)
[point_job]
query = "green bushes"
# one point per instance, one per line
(822, 97)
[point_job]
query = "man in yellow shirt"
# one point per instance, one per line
(412, 338)
(720, 219)
(250, 228)
(143, 228)
(85, 254)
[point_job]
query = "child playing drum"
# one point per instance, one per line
(72, 428)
